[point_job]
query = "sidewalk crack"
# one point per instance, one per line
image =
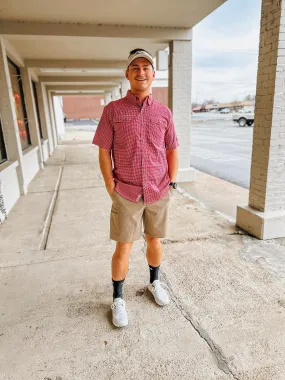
(201, 238)
(217, 352)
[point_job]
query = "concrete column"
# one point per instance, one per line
(264, 217)
(118, 93)
(52, 118)
(44, 115)
(9, 118)
(179, 90)
(59, 117)
(31, 112)
(115, 93)
(125, 86)
(108, 98)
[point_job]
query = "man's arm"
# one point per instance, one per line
(172, 160)
(106, 169)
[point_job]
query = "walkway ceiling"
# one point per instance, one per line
(92, 37)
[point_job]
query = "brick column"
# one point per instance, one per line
(31, 112)
(179, 92)
(264, 217)
(9, 118)
(44, 115)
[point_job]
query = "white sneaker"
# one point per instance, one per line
(119, 314)
(160, 295)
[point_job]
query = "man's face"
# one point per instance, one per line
(140, 74)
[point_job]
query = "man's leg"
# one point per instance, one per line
(125, 228)
(120, 263)
(154, 256)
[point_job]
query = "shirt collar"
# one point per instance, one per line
(135, 100)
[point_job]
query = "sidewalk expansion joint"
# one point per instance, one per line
(217, 352)
(47, 226)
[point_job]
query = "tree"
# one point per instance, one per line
(249, 97)
(210, 101)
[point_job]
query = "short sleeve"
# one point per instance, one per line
(171, 141)
(104, 134)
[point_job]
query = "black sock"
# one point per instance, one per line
(153, 273)
(118, 289)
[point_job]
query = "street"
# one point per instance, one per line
(223, 149)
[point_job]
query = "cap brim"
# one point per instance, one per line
(141, 55)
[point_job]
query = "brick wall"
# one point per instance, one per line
(161, 94)
(89, 107)
(82, 107)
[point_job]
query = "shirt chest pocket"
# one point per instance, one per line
(124, 131)
(156, 131)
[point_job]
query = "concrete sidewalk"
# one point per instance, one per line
(227, 315)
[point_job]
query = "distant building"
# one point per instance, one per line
(233, 105)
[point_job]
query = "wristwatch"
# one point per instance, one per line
(173, 184)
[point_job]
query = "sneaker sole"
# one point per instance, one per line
(120, 325)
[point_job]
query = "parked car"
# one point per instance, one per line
(244, 117)
(225, 110)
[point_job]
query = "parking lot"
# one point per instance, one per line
(223, 149)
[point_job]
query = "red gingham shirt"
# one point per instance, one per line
(138, 134)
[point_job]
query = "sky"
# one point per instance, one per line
(225, 52)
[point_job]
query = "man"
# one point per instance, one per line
(137, 132)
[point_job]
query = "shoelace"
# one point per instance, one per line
(157, 286)
(118, 306)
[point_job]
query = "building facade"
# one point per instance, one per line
(59, 51)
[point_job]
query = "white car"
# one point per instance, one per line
(244, 117)
(225, 110)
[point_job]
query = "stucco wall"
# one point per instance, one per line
(30, 164)
(9, 185)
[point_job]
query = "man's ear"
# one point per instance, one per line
(127, 74)
(153, 74)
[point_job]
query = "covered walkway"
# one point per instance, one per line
(226, 319)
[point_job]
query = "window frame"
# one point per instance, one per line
(26, 121)
(2, 145)
(37, 108)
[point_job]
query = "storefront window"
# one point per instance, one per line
(37, 108)
(19, 103)
(3, 154)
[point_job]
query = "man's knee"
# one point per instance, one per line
(123, 249)
(152, 242)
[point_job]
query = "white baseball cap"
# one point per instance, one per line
(140, 54)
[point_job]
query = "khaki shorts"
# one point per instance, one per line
(127, 217)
